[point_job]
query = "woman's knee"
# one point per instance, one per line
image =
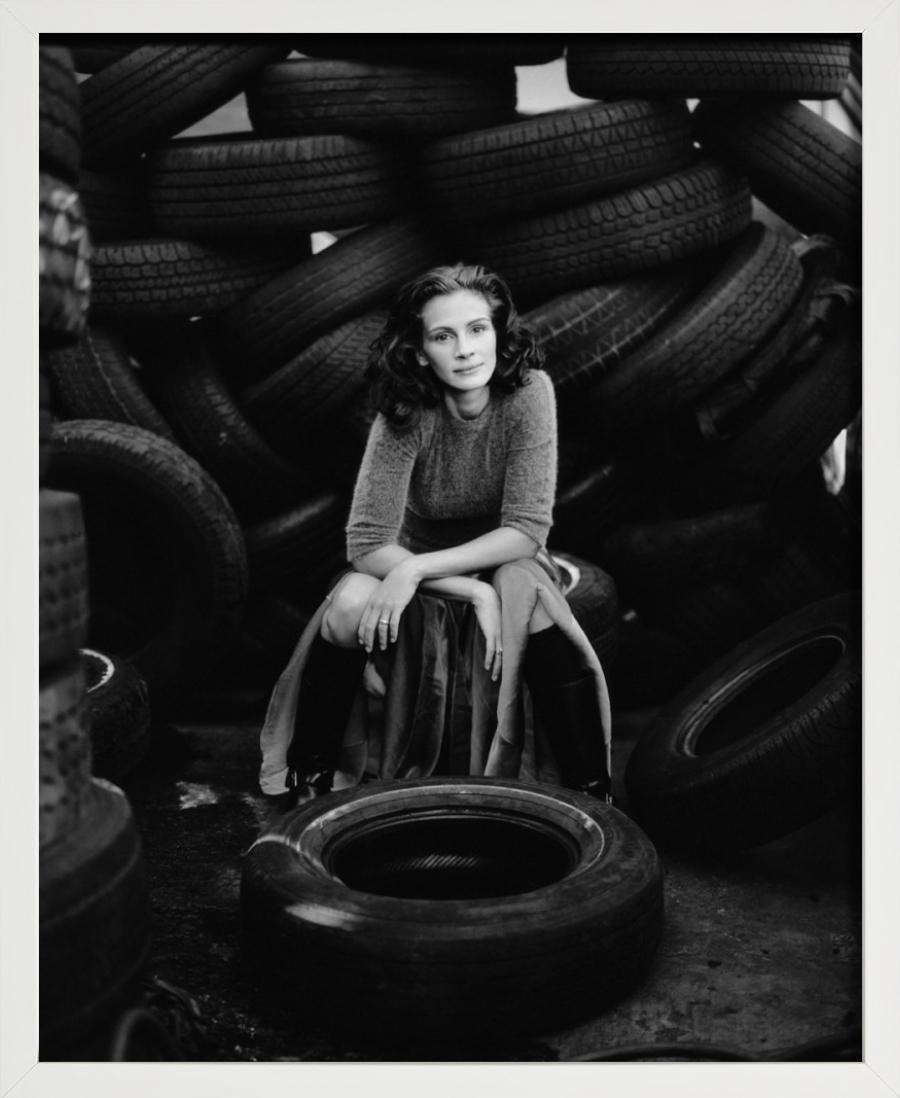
(341, 620)
(512, 572)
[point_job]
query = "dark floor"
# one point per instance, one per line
(760, 951)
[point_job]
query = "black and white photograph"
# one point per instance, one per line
(457, 602)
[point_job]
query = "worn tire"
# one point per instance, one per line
(116, 206)
(63, 603)
(97, 379)
(550, 906)
(763, 741)
(585, 333)
(798, 164)
(168, 571)
(790, 67)
(360, 271)
(390, 102)
(94, 924)
(146, 279)
(64, 752)
(315, 385)
(735, 311)
(241, 187)
(556, 159)
(158, 90)
(59, 134)
(186, 383)
(636, 230)
(64, 256)
(118, 710)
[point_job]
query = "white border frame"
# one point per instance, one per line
(20, 24)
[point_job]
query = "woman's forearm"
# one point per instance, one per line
(488, 551)
(380, 562)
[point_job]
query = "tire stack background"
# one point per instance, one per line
(94, 914)
(704, 346)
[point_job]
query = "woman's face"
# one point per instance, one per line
(459, 341)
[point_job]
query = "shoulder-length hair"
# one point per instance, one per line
(400, 385)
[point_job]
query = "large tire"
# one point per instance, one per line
(94, 925)
(355, 274)
(529, 906)
(64, 757)
(794, 429)
(790, 67)
(97, 379)
(168, 570)
(585, 333)
(457, 50)
(315, 385)
(146, 279)
(240, 188)
(63, 603)
(763, 741)
(556, 159)
(637, 230)
(156, 91)
(798, 164)
(64, 254)
(300, 97)
(60, 122)
(187, 385)
(734, 312)
(118, 710)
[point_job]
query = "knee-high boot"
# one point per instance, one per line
(327, 694)
(565, 698)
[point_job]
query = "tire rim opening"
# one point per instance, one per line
(784, 681)
(452, 856)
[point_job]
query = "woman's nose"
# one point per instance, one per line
(462, 350)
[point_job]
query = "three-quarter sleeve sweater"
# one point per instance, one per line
(448, 480)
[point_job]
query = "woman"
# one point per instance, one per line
(449, 570)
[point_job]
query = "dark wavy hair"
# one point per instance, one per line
(400, 386)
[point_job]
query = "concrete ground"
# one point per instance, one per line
(760, 951)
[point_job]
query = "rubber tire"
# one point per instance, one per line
(118, 708)
(168, 569)
(794, 761)
(798, 164)
(64, 254)
(585, 333)
(532, 961)
(636, 230)
(59, 134)
(458, 51)
(595, 603)
(221, 189)
(555, 159)
(314, 386)
(147, 279)
(296, 553)
(116, 205)
(158, 90)
(733, 313)
(649, 559)
(354, 275)
(187, 385)
(94, 924)
(386, 102)
(796, 427)
(64, 757)
(790, 67)
(97, 379)
(63, 603)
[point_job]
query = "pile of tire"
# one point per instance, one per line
(696, 295)
(93, 905)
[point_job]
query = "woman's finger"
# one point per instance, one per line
(498, 663)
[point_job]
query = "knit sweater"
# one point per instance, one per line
(448, 480)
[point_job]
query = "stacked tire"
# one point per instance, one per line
(93, 913)
(690, 301)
